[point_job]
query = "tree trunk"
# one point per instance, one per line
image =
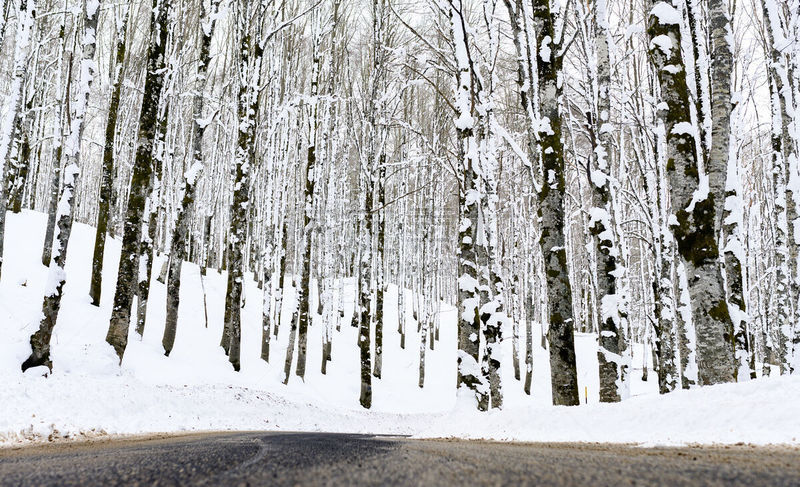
(561, 338)
(607, 250)
(723, 179)
(245, 155)
(25, 22)
(117, 335)
(312, 172)
(40, 341)
(106, 178)
(693, 221)
(178, 246)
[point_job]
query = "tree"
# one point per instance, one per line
(563, 372)
(25, 17)
(104, 200)
(117, 335)
(199, 123)
(249, 67)
(57, 277)
(693, 219)
(723, 178)
(613, 368)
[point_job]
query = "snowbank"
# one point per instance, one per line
(195, 389)
(761, 412)
(69, 406)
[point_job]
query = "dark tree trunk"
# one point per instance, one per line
(117, 335)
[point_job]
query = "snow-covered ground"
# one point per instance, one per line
(90, 394)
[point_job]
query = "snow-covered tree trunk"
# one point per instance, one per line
(365, 292)
(25, 19)
(106, 181)
(602, 224)
(182, 221)
(723, 177)
(665, 312)
(117, 335)
(313, 169)
(379, 216)
(785, 171)
(560, 334)
(470, 378)
(58, 146)
(146, 250)
(248, 74)
(693, 209)
(57, 277)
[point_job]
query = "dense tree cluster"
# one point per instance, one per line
(621, 167)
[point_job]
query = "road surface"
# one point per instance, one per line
(253, 458)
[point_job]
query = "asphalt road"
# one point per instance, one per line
(334, 459)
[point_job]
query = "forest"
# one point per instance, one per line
(622, 168)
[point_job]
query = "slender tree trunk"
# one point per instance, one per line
(266, 309)
(281, 278)
(106, 178)
(245, 155)
(25, 19)
(364, 299)
(784, 176)
(312, 172)
(607, 251)
(146, 250)
(181, 233)
(40, 341)
(529, 318)
(380, 285)
(470, 379)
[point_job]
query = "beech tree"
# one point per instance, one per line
(618, 173)
(40, 341)
(117, 335)
(694, 219)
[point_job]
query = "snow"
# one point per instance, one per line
(666, 14)
(662, 42)
(544, 50)
(727, 413)
(681, 128)
(194, 389)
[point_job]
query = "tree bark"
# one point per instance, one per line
(692, 220)
(560, 335)
(40, 341)
(181, 233)
(117, 335)
(106, 178)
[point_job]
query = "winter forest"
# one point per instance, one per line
(511, 174)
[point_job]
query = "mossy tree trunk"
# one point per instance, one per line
(117, 335)
(106, 177)
(182, 221)
(693, 221)
(40, 341)
(560, 334)
(724, 178)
